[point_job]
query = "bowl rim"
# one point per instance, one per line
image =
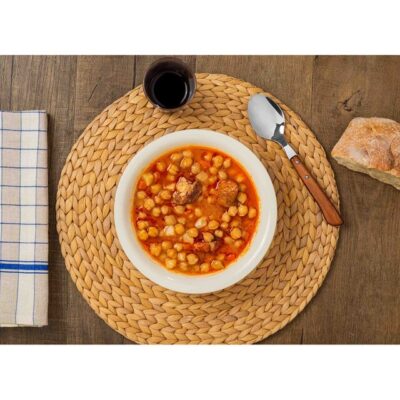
(259, 244)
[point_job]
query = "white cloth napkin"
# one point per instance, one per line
(23, 218)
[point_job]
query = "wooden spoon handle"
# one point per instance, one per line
(328, 209)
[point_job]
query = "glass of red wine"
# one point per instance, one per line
(169, 84)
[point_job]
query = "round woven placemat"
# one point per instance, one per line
(261, 304)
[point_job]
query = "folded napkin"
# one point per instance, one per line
(23, 218)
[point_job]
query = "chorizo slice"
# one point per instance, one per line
(227, 191)
(186, 191)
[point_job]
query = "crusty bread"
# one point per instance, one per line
(372, 146)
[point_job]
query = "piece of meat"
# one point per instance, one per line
(227, 191)
(207, 246)
(186, 191)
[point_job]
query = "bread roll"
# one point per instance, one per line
(372, 146)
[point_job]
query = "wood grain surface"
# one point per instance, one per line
(359, 301)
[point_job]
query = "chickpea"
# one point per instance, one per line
(252, 212)
(171, 253)
(197, 212)
(142, 235)
(201, 223)
(232, 211)
(170, 263)
(157, 200)
(183, 266)
(155, 188)
(164, 210)
(152, 231)
(217, 264)
(156, 211)
(141, 195)
(208, 156)
(222, 174)
(195, 168)
(155, 249)
(218, 233)
(187, 153)
(208, 237)
(142, 224)
(181, 256)
(202, 176)
(213, 225)
(165, 194)
(166, 244)
(139, 203)
(228, 240)
(193, 232)
(226, 217)
(179, 229)
(173, 169)
(213, 170)
(221, 257)
(142, 215)
(196, 268)
(148, 204)
(170, 220)
(242, 187)
(187, 239)
(156, 176)
(175, 157)
(169, 230)
(242, 210)
(148, 178)
(170, 187)
(161, 167)
(218, 161)
(192, 259)
(212, 180)
(178, 246)
(242, 197)
(186, 162)
(227, 163)
(182, 220)
(236, 233)
(170, 178)
(235, 223)
(238, 243)
(205, 267)
(239, 178)
(224, 225)
(179, 210)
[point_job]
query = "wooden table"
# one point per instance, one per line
(359, 301)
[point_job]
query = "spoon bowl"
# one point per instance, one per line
(268, 121)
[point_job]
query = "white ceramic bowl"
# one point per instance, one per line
(235, 271)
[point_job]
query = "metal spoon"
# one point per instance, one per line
(268, 121)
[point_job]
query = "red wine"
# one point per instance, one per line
(170, 89)
(169, 83)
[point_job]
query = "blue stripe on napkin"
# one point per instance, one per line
(18, 266)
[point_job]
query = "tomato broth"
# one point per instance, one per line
(195, 210)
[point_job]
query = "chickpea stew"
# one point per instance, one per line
(195, 210)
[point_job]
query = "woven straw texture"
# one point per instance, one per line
(255, 308)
